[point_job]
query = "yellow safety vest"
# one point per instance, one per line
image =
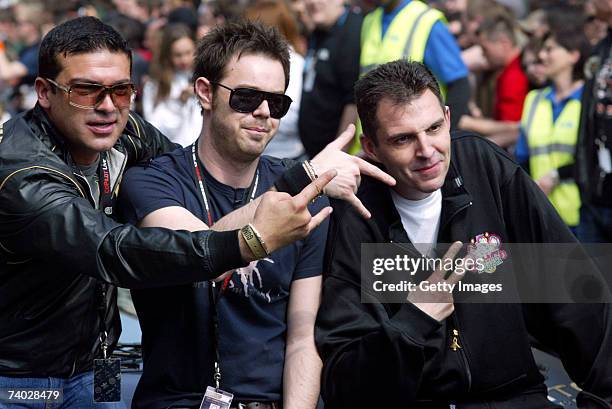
(551, 146)
(405, 38)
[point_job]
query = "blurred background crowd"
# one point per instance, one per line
(510, 47)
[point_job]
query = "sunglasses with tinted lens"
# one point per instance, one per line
(89, 96)
(247, 100)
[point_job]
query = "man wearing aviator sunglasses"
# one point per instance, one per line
(89, 96)
(61, 166)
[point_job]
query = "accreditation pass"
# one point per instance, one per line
(30, 395)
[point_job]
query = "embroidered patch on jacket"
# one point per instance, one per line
(488, 248)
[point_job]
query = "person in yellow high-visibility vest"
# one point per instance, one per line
(551, 116)
(410, 29)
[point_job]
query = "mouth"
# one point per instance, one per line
(429, 169)
(102, 127)
(255, 130)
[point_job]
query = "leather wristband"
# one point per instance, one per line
(294, 180)
(254, 241)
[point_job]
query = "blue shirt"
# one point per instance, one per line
(176, 322)
(442, 54)
(521, 150)
(29, 57)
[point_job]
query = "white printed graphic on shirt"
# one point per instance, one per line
(251, 281)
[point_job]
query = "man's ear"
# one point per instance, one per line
(203, 89)
(447, 114)
(369, 147)
(43, 89)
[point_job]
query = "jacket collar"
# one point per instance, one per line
(41, 125)
(377, 197)
(48, 133)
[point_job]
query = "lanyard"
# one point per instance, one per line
(106, 199)
(202, 185)
(212, 293)
(106, 204)
(106, 194)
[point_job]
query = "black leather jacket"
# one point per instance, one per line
(56, 249)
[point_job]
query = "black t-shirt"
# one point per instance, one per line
(330, 71)
(176, 321)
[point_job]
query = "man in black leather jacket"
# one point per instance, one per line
(432, 352)
(61, 166)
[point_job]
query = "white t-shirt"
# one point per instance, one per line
(420, 218)
(180, 122)
(287, 143)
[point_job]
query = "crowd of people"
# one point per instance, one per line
(225, 160)
(492, 57)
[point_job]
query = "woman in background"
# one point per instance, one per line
(275, 13)
(168, 101)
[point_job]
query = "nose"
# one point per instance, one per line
(106, 104)
(263, 110)
(424, 147)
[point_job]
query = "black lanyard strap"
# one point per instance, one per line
(106, 192)
(102, 294)
(212, 293)
(212, 286)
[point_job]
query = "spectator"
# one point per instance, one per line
(133, 31)
(497, 37)
(168, 101)
(305, 24)
(331, 68)
(30, 18)
(386, 36)
(535, 25)
(184, 15)
(595, 139)
(594, 28)
(286, 143)
(532, 64)
(551, 118)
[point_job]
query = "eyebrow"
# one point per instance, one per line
(438, 122)
(257, 88)
(90, 81)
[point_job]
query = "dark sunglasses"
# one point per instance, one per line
(89, 96)
(247, 100)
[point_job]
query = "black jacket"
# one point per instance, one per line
(595, 187)
(394, 355)
(56, 249)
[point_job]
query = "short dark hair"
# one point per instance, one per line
(499, 24)
(218, 46)
(78, 36)
(567, 29)
(400, 81)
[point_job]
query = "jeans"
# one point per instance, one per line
(77, 393)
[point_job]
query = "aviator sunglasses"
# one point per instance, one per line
(89, 96)
(246, 100)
